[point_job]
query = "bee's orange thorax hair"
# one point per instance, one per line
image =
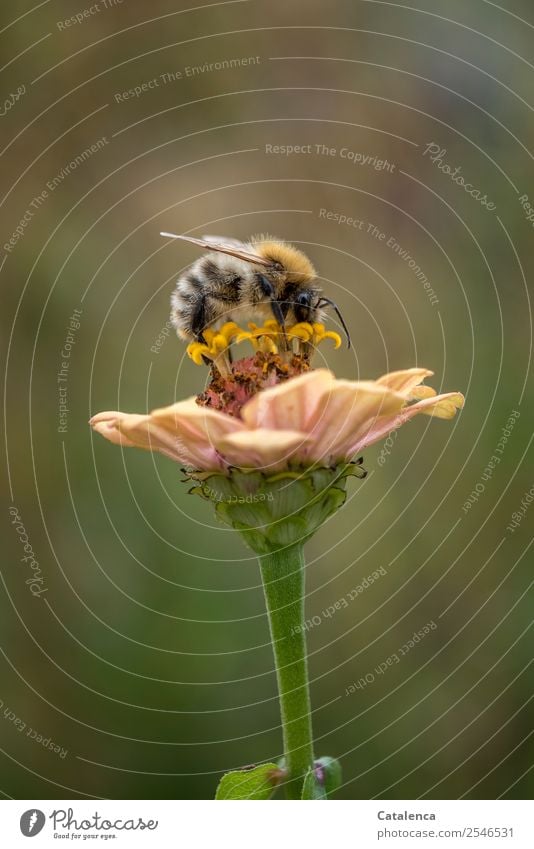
(293, 260)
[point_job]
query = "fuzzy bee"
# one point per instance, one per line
(261, 279)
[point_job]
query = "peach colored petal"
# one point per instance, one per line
(405, 380)
(422, 391)
(145, 434)
(138, 431)
(330, 410)
(105, 416)
(441, 406)
(262, 448)
(293, 405)
(345, 411)
(193, 432)
(105, 424)
(148, 433)
(190, 422)
(310, 418)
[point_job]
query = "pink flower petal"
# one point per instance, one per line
(105, 416)
(270, 450)
(148, 434)
(310, 418)
(330, 410)
(105, 424)
(195, 432)
(190, 422)
(440, 406)
(405, 380)
(345, 410)
(169, 433)
(422, 391)
(292, 405)
(192, 432)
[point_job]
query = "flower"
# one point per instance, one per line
(312, 419)
(271, 443)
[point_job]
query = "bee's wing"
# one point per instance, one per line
(226, 246)
(226, 240)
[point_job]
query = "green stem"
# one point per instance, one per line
(283, 584)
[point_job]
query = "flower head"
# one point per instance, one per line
(273, 412)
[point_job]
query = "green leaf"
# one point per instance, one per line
(328, 772)
(312, 788)
(258, 782)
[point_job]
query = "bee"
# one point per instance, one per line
(262, 278)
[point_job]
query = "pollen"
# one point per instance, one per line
(270, 338)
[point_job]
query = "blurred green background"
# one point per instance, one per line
(145, 658)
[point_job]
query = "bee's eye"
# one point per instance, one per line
(304, 299)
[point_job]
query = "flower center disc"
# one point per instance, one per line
(247, 377)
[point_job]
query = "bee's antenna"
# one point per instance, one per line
(326, 301)
(269, 290)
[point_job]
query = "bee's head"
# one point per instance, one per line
(293, 267)
(289, 263)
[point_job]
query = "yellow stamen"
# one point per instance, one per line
(320, 333)
(195, 350)
(267, 345)
(267, 338)
(331, 334)
(302, 330)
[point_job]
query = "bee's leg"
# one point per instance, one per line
(268, 289)
(198, 317)
(304, 312)
(278, 314)
(205, 360)
(198, 322)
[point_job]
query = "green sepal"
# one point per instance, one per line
(312, 788)
(275, 511)
(258, 782)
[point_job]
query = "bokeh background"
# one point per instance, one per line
(145, 656)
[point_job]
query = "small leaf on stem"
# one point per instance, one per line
(328, 773)
(322, 780)
(313, 789)
(258, 782)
